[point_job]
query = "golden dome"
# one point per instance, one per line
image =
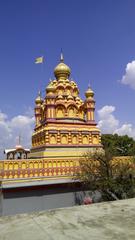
(89, 93)
(50, 88)
(39, 100)
(62, 70)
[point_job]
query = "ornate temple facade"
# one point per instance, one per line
(65, 126)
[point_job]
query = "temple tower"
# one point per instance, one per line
(65, 125)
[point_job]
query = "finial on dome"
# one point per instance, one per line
(39, 99)
(61, 56)
(39, 93)
(89, 85)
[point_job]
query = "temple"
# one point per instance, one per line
(65, 127)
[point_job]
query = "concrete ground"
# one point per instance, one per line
(101, 221)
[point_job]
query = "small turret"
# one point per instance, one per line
(89, 105)
(39, 100)
(38, 108)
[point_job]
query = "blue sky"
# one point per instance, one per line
(98, 41)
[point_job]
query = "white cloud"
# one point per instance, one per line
(129, 76)
(108, 123)
(10, 129)
(126, 129)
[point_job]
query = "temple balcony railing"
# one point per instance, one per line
(37, 168)
(43, 168)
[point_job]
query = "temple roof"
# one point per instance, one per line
(16, 150)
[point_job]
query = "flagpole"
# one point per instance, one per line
(40, 60)
(41, 74)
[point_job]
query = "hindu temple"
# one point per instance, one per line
(65, 127)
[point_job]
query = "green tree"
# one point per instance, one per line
(113, 179)
(118, 145)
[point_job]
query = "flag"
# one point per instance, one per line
(39, 60)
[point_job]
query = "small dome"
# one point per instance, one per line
(70, 97)
(62, 70)
(50, 88)
(39, 99)
(75, 86)
(67, 81)
(59, 97)
(72, 82)
(60, 84)
(54, 82)
(19, 147)
(77, 99)
(89, 93)
(68, 86)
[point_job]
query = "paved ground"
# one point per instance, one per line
(104, 221)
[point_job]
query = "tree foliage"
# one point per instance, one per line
(118, 145)
(112, 178)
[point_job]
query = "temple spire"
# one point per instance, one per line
(39, 93)
(61, 56)
(19, 139)
(89, 84)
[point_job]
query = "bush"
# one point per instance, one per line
(114, 179)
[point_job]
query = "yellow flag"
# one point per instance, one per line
(39, 60)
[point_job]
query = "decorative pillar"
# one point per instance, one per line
(89, 105)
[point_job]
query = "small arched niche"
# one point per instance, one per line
(72, 111)
(95, 140)
(74, 139)
(53, 139)
(85, 140)
(64, 139)
(60, 111)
